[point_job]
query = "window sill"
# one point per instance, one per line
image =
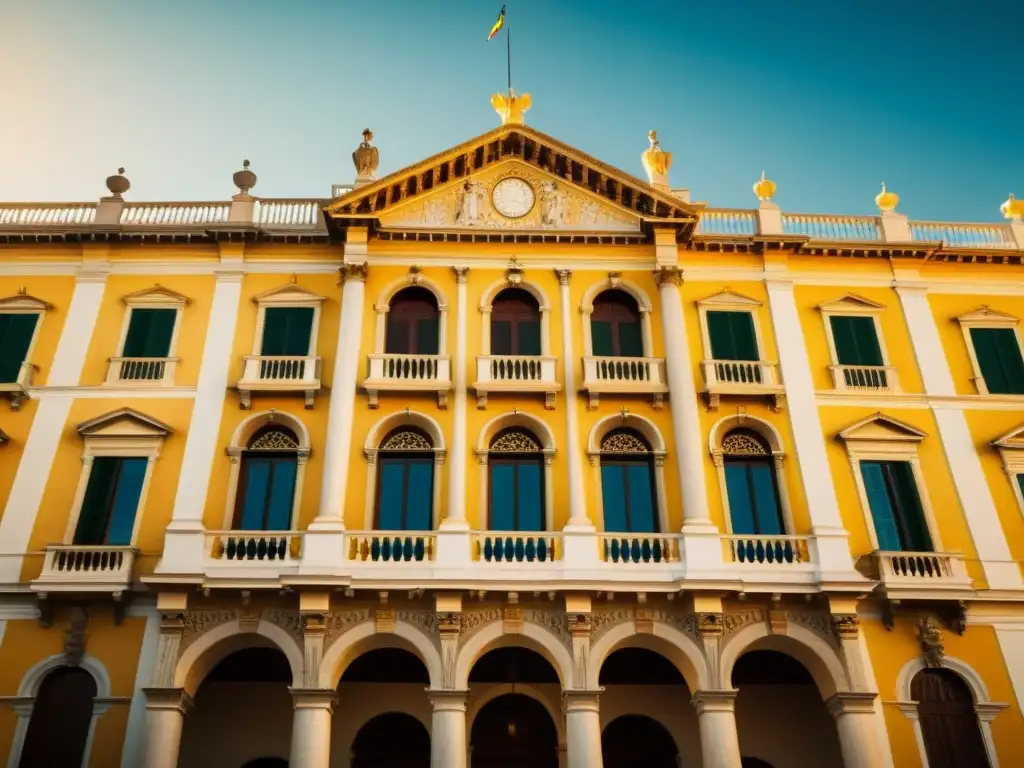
(142, 371)
(624, 376)
(408, 373)
(741, 378)
(277, 374)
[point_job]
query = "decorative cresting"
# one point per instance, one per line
(406, 440)
(275, 440)
(515, 441)
(366, 158)
(510, 108)
(623, 441)
(656, 162)
(743, 443)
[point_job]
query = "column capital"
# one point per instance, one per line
(313, 698)
(353, 272)
(448, 700)
(176, 699)
(564, 276)
(461, 274)
(581, 699)
(850, 703)
(714, 701)
(667, 276)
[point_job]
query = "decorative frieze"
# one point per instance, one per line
(846, 625)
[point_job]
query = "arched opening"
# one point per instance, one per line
(516, 466)
(615, 326)
(949, 724)
(266, 485)
(413, 323)
(392, 740)
(628, 489)
(638, 741)
(405, 481)
(514, 730)
(750, 482)
(387, 728)
(515, 323)
(61, 717)
(780, 714)
(645, 701)
(243, 712)
(267, 762)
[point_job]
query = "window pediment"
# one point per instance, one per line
(986, 316)
(123, 423)
(728, 299)
(156, 296)
(22, 302)
(853, 303)
(1013, 440)
(290, 294)
(881, 428)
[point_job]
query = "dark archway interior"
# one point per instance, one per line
(252, 665)
(267, 762)
(513, 731)
(639, 666)
(637, 741)
(392, 740)
(512, 665)
(769, 668)
(387, 665)
(59, 726)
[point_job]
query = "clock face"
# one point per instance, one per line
(512, 198)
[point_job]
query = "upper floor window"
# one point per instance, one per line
(994, 344)
(516, 465)
(148, 338)
(731, 335)
(1011, 451)
(750, 480)
(854, 332)
(628, 489)
(413, 323)
(515, 323)
(266, 491)
(287, 331)
(856, 340)
(615, 326)
(20, 318)
(405, 481)
(149, 332)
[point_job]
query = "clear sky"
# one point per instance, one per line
(830, 96)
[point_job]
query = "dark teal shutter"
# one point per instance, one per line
(999, 358)
(503, 495)
(273, 333)
(741, 507)
(908, 504)
(856, 340)
(631, 340)
(530, 495)
(15, 336)
(149, 333)
(126, 501)
(428, 335)
(601, 338)
(391, 494)
(882, 511)
(642, 518)
(732, 336)
(613, 496)
(99, 497)
(287, 331)
(419, 501)
(396, 337)
(1020, 483)
(501, 337)
(529, 337)
(720, 332)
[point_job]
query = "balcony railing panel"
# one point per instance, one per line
(141, 370)
(727, 222)
(86, 567)
(287, 213)
(865, 378)
(399, 369)
(46, 214)
(638, 548)
(254, 546)
(778, 551)
(391, 546)
(516, 547)
(826, 227)
(963, 235)
(174, 214)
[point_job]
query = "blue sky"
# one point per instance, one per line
(830, 97)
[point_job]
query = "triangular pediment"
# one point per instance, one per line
(851, 302)
(155, 295)
(125, 422)
(879, 427)
(288, 294)
(23, 302)
(1011, 440)
(454, 191)
(985, 315)
(3, 437)
(729, 298)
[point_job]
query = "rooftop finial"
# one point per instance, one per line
(244, 179)
(118, 184)
(886, 201)
(1012, 209)
(656, 162)
(510, 108)
(366, 158)
(764, 188)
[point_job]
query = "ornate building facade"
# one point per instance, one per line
(506, 458)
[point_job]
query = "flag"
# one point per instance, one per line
(498, 24)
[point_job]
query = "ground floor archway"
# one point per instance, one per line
(512, 731)
(949, 724)
(392, 740)
(638, 741)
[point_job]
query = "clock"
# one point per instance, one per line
(512, 198)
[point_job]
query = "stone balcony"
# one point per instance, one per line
(141, 371)
(17, 390)
(408, 373)
(276, 374)
(864, 379)
(624, 376)
(516, 374)
(85, 569)
(919, 575)
(744, 378)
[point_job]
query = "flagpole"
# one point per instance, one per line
(508, 52)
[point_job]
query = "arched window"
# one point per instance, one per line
(754, 506)
(405, 481)
(266, 492)
(615, 326)
(413, 323)
(515, 323)
(627, 483)
(516, 482)
(61, 717)
(949, 723)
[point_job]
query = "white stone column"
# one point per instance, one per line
(1001, 572)
(831, 547)
(858, 735)
(716, 719)
(311, 727)
(131, 752)
(448, 729)
(455, 519)
(582, 728)
(183, 543)
(573, 451)
(26, 494)
(165, 715)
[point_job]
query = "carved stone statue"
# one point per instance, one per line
(552, 205)
(366, 158)
(74, 639)
(469, 205)
(656, 162)
(930, 636)
(510, 108)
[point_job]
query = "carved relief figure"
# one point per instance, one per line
(434, 212)
(552, 204)
(469, 205)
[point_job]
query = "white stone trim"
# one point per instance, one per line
(287, 296)
(852, 305)
(135, 729)
(615, 282)
(153, 298)
(533, 637)
(1011, 451)
(664, 639)
(487, 303)
(984, 317)
(383, 307)
(363, 637)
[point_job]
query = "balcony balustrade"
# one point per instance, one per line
(919, 574)
(865, 378)
(638, 548)
(408, 373)
(391, 547)
(276, 374)
(516, 547)
(142, 371)
(743, 378)
(624, 376)
(85, 568)
(516, 374)
(17, 390)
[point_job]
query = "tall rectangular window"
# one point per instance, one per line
(16, 332)
(753, 498)
(287, 331)
(267, 491)
(999, 358)
(517, 494)
(405, 493)
(895, 506)
(732, 335)
(111, 501)
(150, 332)
(856, 340)
(627, 491)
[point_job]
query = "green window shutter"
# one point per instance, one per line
(287, 331)
(501, 337)
(998, 355)
(732, 336)
(149, 333)
(908, 505)
(882, 508)
(856, 340)
(111, 501)
(15, 336)
(529, 337)
(601, 338)
(428, 335)
(1020, 483)
(631, 340)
